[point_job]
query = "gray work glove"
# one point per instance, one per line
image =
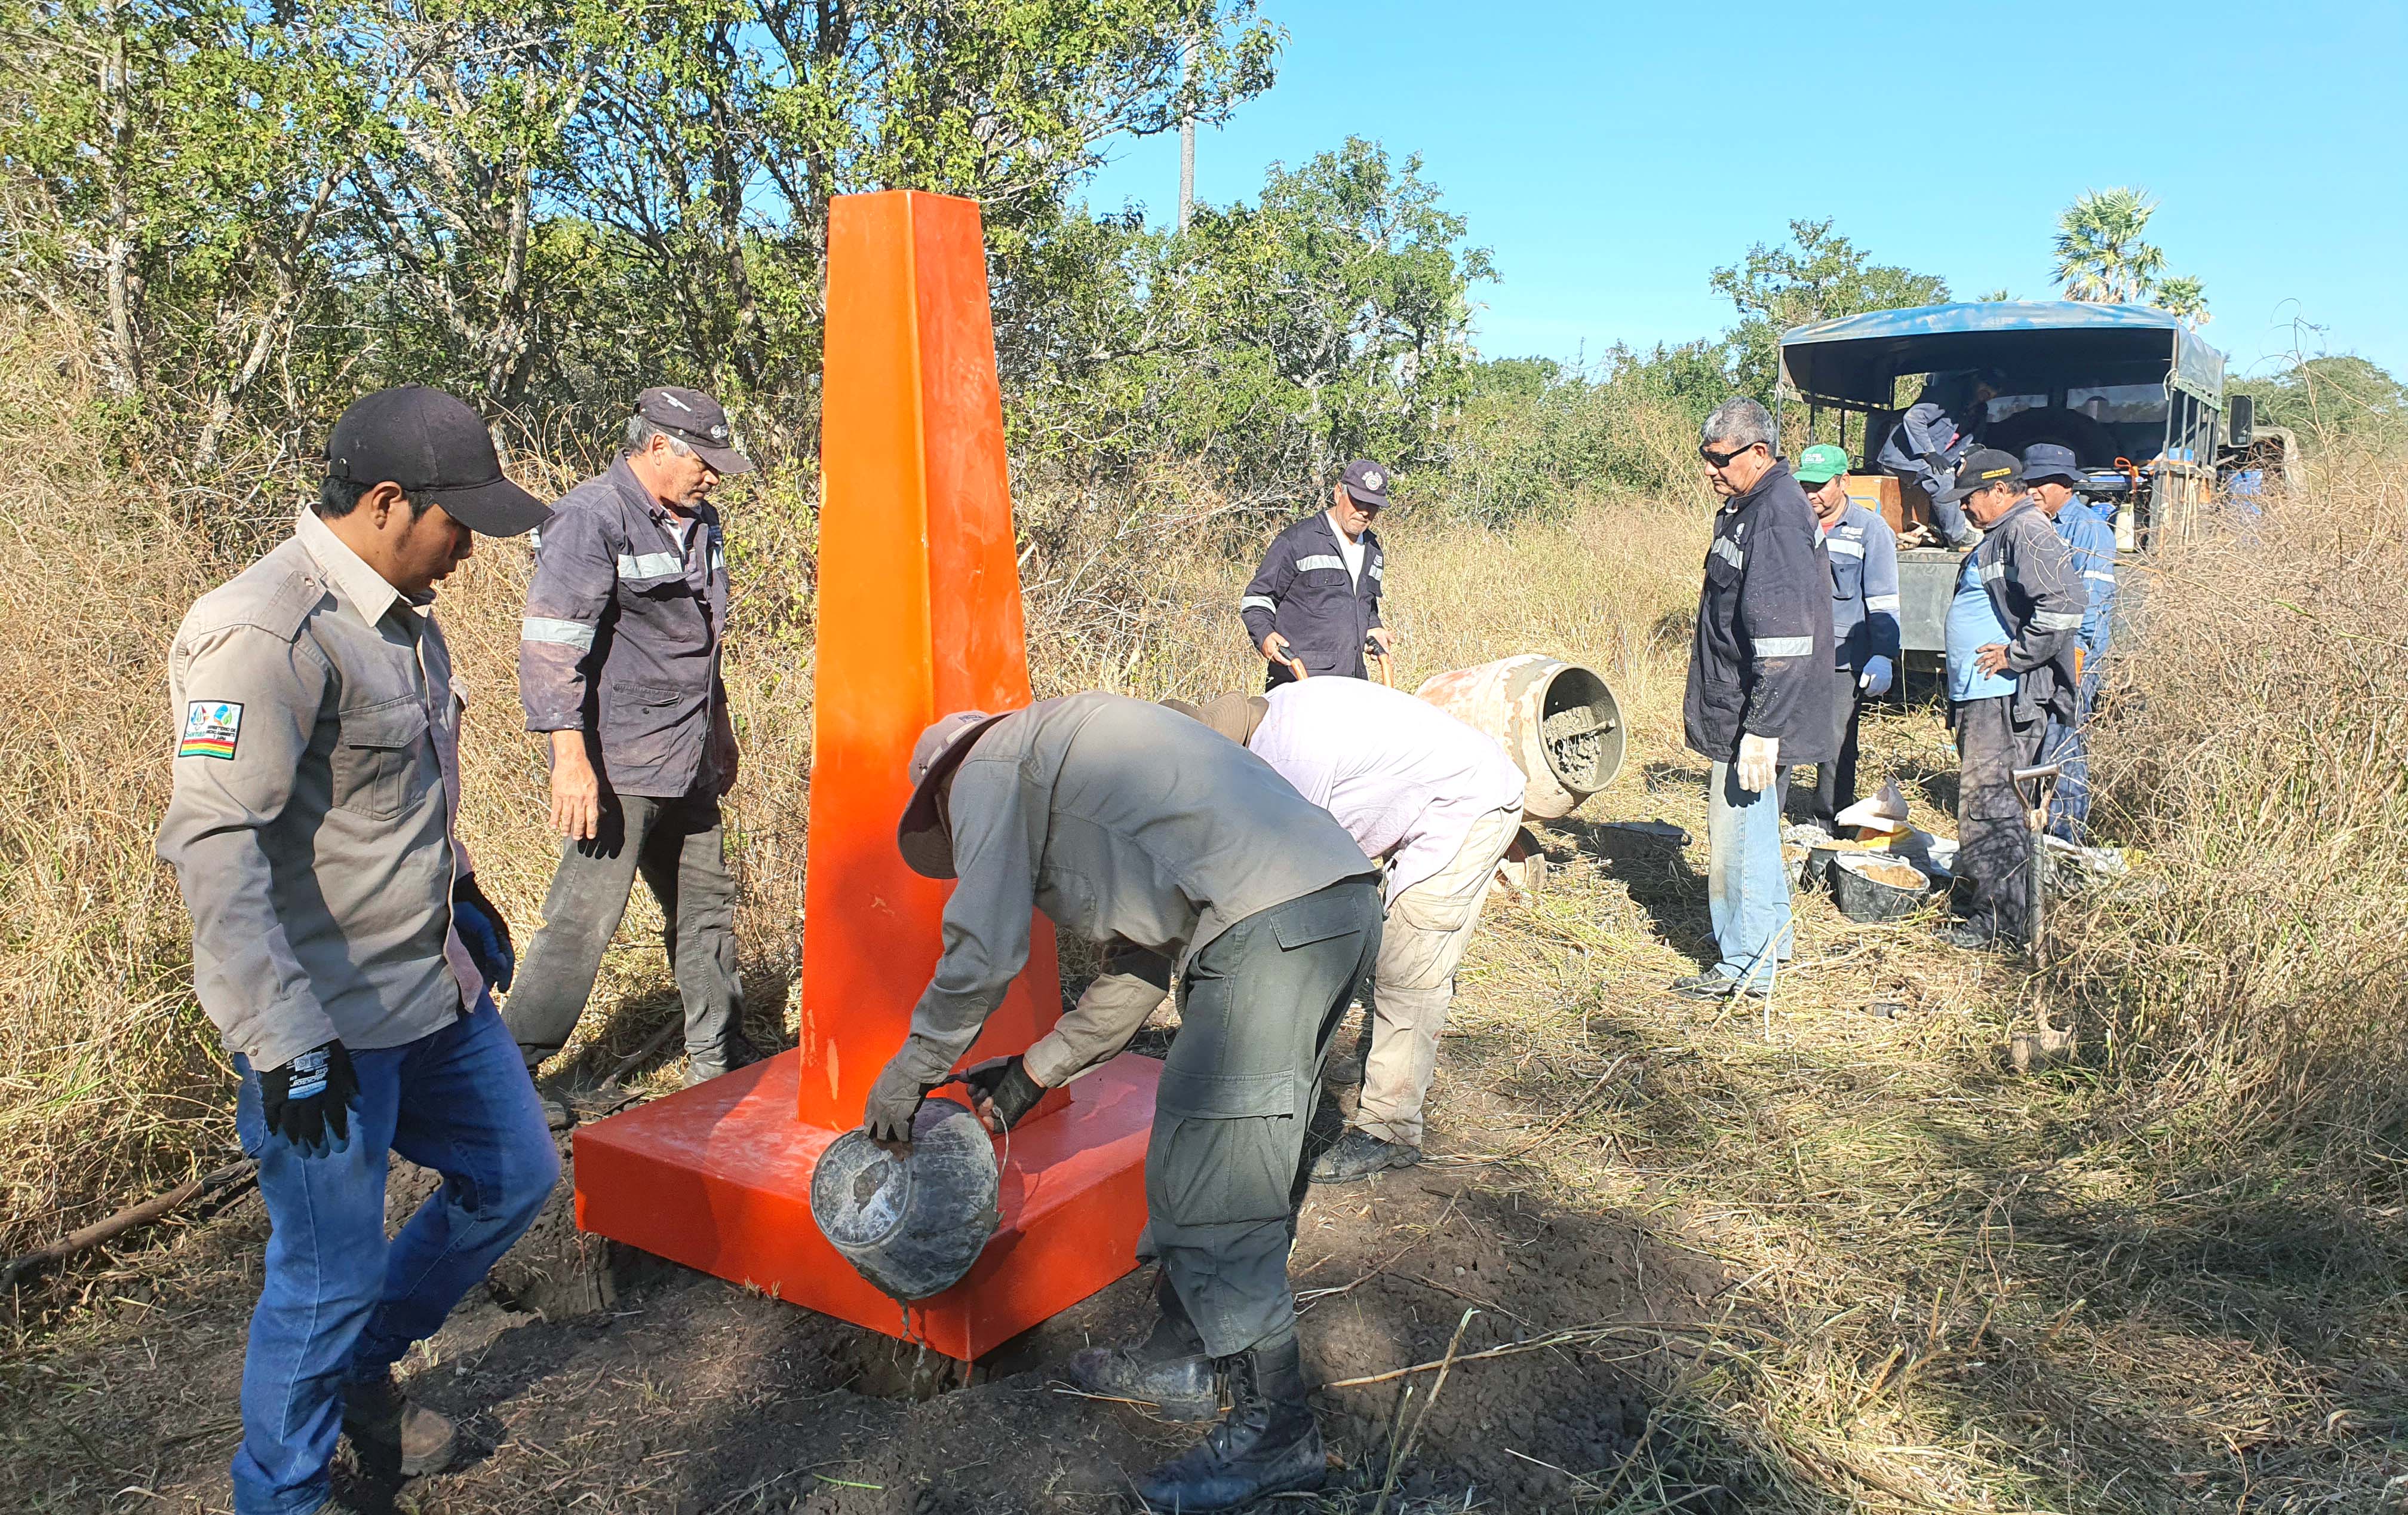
(901, 1088)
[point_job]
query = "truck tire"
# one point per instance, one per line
(2094, 446)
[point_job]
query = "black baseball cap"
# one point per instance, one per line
(1985, 467)
(1367, 482)
(434, 447)
(696, 419)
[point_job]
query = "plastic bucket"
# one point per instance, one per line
(1861, 894)
(912, 1226)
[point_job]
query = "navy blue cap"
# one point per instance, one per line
(2047, 460)
(696, 419)
(434, 446)
(1367, 482)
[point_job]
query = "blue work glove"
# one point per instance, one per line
(484, 931)
(311, 1096)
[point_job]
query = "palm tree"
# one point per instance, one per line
(2100, 255)
(2184, 298)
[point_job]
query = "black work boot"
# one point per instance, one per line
(394, 1434)
(1358, 1155)
(1168, 1370)
(1268, 1443)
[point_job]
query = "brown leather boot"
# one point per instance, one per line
(387, 1428)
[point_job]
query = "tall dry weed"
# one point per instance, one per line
(2255, 749)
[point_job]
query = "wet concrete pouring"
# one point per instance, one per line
(591, 1377)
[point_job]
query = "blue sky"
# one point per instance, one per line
(1612, 155)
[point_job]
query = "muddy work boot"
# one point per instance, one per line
(1168, 1369)
(391, 1434)
(1268, 1443)
(1358, 1155)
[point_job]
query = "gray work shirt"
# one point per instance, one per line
(1128, 825)
(620, 639)
(313, 825)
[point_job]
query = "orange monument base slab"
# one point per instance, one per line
(719, 1177)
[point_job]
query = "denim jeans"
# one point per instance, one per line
(2069, 807)
(1747, 885)
(340, 1304)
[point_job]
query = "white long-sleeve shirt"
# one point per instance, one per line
(1405, 779)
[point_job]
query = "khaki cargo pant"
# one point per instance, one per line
(1257, 1008)
(1430, 928)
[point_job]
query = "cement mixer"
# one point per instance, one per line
(1558, 721)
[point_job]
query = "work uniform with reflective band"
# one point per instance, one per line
(1138, 829)
(1864, 626)
(2027, 578)
(622, 641)
(313, 831)
(1307, 593)
(1759, 664)
(1926, 448)
(2091, 544)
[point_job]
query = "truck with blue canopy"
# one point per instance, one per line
(2136, 394)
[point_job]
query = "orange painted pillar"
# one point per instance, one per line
(918, 616)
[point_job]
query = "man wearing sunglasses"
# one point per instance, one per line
(1315, 600)
(1760, 689)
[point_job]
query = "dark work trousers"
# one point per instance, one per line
(1835, 782)
(1993, 846)
(678, 848)
(1257, 1008)
(2069, 807)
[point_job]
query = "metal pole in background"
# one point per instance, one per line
(1186, 139)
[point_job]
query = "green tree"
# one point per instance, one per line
(2101, 257)
(1816, 276)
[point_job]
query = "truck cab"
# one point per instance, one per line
(2137, 394)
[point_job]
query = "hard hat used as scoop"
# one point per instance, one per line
(912, 1225)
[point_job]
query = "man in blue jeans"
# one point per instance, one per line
(340, 942)
(1760, 689)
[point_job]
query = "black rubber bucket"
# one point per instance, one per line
(1860, 897)
(912, 1226)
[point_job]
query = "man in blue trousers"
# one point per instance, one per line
(1760, 689)
(2053, 476)
(340, 942)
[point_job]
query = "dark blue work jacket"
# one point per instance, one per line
(1864, 589)
(1303, 592)
(622, 638)
(2033, 589)
(1761, 661)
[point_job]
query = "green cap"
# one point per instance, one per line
(1821, 464)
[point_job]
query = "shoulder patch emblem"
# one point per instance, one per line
(211, 729)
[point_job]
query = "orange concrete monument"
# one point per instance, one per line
(918, 616)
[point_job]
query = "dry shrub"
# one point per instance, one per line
(2251, 749)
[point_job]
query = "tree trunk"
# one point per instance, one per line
(125, 346)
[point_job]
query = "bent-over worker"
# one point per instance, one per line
(340, 943)
(2053, 475)
(1316, 597)
(1864, 616)
(1439, 803)
(2013, 629)
(619, 665)
(1759, 692)
(1137, 829)
(1930, 442)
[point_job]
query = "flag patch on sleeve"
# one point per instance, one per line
(211, 729)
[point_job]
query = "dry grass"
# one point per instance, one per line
(2165, 1279)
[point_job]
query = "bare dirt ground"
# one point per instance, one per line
(1832, 1257)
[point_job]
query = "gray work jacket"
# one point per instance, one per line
(622, 638)
(1129, 825)
(313, 825)
(2032, 585)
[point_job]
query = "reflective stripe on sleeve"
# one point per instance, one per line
(1729, 552)
(650, 564)
(2107, 574)
(2057, 620)
(1842, 547)
(1375, 570)
(1319, 560)
(575, 634)
(1257, 602)
(1784, 646)
(1991, 570)
(1881, 602)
